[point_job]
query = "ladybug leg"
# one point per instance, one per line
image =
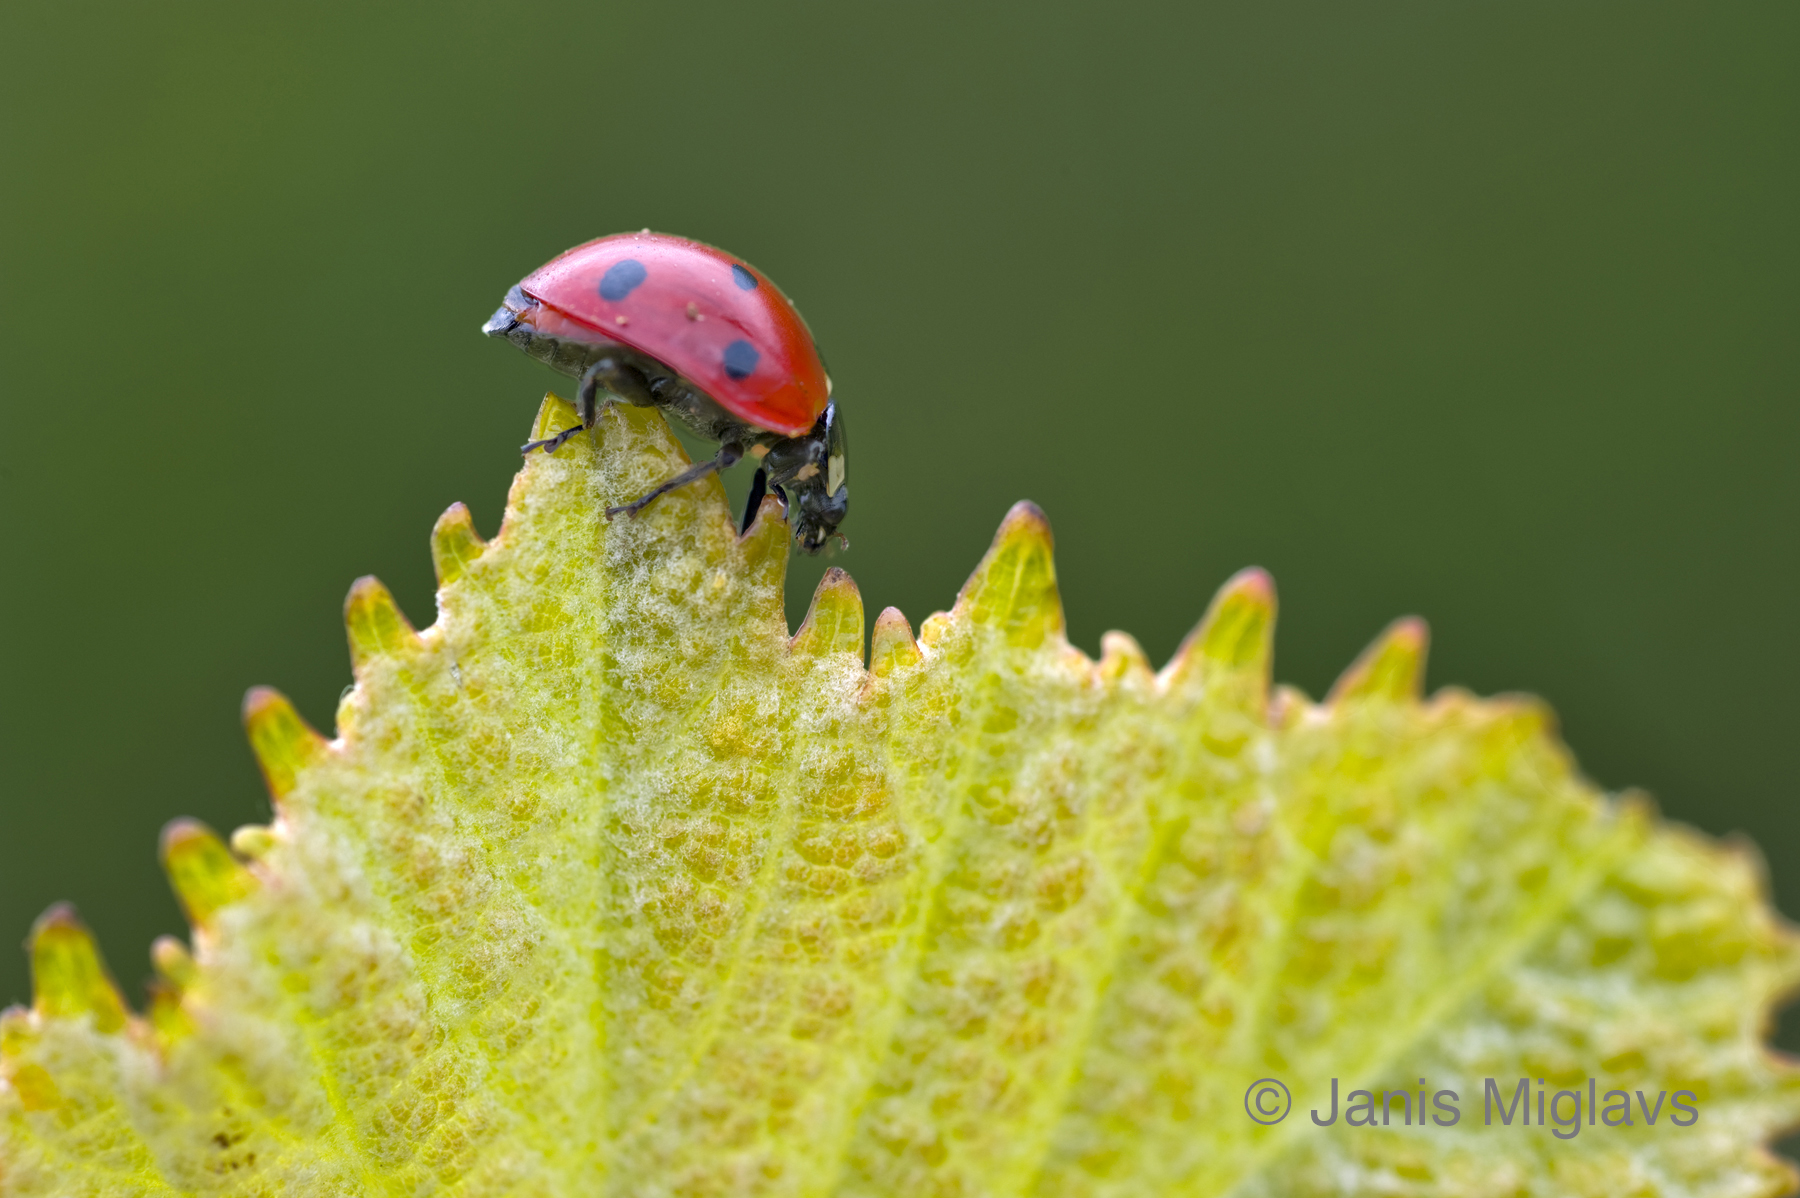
(727, 457)
(619, 378)
(552, 444)
(759, 486)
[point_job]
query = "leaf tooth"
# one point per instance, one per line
(68, 978)
(934, 628)
(1288, 705)
(454, 544)
(168, 1019)
(176, 974)
(1236, 634)
(284, 744)
(553, 416)
(202, 871)
(1392, 667)
(764, 544)
(376, 627)
(1121, 657)
(1014, 587)
(253, 841)
(891, 644)
(834, 622)
(173, 962)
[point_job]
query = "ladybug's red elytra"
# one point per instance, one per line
(662, 321)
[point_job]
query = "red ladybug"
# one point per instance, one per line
(662, 321)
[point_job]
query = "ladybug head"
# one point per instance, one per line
(810, 469)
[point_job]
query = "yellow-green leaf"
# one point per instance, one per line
(608, 887)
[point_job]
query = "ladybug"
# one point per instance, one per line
(662, 321)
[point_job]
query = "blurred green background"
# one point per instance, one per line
(1486, 312)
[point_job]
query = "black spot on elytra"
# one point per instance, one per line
(621, 279)
(740, 359)
(743, 278)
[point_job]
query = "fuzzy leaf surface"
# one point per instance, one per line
(607, 886)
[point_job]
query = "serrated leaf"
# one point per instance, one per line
(608, 886)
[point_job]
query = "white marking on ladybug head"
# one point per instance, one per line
(834, 474)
